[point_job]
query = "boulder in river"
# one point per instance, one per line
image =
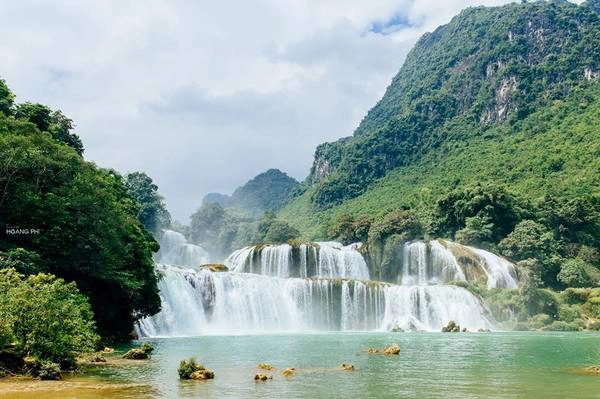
(136, 354)
(108, 350)
(347, 367)
(192, 370)
(593, 370)
(262, 377)
(265, 366)
(451, 327)
(393, 349)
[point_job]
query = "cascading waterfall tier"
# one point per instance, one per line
(319, 259)
(325, 286)
(175, 250)
(442, 262)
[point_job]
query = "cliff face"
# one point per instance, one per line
(487, 66)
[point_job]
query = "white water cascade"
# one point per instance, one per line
(323, 287)
(175, 250)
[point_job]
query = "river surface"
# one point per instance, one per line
(430, 365)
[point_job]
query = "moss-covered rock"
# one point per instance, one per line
(451, 327)
(136, 354)
(192, 370)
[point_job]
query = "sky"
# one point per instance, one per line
(204, 95)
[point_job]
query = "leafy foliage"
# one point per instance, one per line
(152, 213)
(572, 274)
(79, 219)
(45, 316)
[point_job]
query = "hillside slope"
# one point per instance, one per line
(505, 94)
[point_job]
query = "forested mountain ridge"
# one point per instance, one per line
(490, 136)
(268, 190)
(488, 66)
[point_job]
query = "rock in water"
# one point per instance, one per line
(108, 350)
(288, 372)
(204, 374)
(262, 377)
(265, 366)
(347, 367)
(451, 327)
(393, 349)
(135, 354)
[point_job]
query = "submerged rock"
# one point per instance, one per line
(204, 374)
(262, 377)
(288, 372)
(393, 349)
(593, 370)
(265, 366)
(347, 367)
(397, 329)
(451, 327)
(97, 358)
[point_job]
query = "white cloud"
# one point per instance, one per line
(204, 95)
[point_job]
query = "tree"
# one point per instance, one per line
(61, 127)
(152, 212)
(38, 114)
(488, 202)
(478, 229)
(529, 239)
(22, 260)
(7, 99)
(280, 231)
(573, 274)
(405, 223)
(53, 122)
(47, 317)
(85, 223)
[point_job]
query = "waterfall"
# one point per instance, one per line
(321, 286)
(175, 250)
(320, 259)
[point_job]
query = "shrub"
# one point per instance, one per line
(574, 296)
(47, 318)
(187, 367)
(563, 326)
(569, 313)
(49, 371)
(573, 274)
(405, 223)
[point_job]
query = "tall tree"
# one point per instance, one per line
(152, 213)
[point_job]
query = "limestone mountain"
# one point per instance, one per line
(504, 94)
